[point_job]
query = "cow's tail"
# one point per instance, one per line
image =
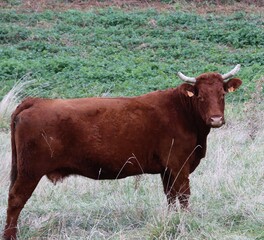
(14, 118)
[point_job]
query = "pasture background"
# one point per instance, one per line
(123, 50)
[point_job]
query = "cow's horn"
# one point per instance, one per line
(186, 79)
(232, 72)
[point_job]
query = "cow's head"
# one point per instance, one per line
(208, 92)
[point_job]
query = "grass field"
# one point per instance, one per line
(118, 52)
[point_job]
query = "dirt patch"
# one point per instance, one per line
(230, 8)
(201, 7)
(58, 5)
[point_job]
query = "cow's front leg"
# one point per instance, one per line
(176, 185)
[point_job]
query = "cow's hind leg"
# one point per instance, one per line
(18, 195)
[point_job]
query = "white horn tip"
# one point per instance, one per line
(237, 67)
(232, 72)
(180, 74)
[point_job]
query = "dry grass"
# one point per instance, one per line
(10, 101)
(202, 7)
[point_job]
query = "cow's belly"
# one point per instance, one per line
(101, 170)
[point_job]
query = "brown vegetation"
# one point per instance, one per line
(202, 7)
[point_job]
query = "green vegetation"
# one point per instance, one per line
(117, 52)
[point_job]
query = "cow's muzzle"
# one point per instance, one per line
(216, 121)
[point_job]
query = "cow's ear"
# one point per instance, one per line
(232, 84)
(188, 90)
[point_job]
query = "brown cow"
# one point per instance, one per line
(162, 132)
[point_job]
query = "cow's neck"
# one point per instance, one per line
(187, 107)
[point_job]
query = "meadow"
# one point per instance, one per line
(121, 52)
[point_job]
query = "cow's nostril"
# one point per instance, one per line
(216, 118)
(216, 121)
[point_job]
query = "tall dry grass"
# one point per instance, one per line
(11, 99)
(227, 199)
(7, 106)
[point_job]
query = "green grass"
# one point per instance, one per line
(117, 52)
